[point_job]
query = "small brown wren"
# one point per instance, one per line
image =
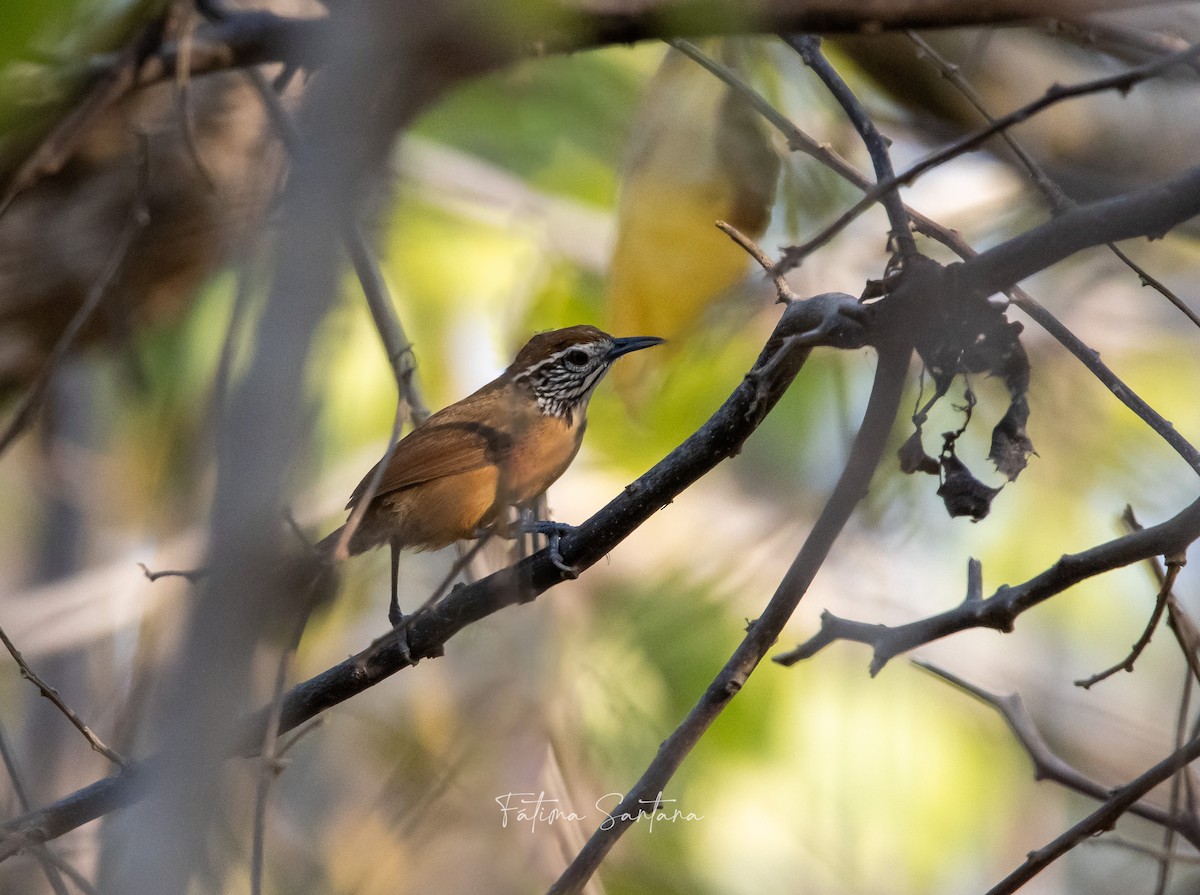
(453, 477)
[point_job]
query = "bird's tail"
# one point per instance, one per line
(325, 547)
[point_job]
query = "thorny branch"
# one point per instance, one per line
(1160, 607)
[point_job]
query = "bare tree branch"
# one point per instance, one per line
(1126, 664)
(884, 402)
(1001, 610)
(801, 142)
(1058, 199)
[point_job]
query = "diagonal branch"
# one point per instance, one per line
(809, 48)
(1149, 212)
(1049, 766)
(1120, 801)
(800, 142)
(53, 695)
(1058, 199)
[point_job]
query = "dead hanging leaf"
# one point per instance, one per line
(913, 457)
(971, 335)
(1011, 446)
(697, 154)
(962, 493)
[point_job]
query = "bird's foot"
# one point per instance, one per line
(554, 532)
(399, 622)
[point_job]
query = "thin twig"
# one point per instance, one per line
(183, 103)
(782, 289)
(1160, 606)
(1174, 857)
(342, 548)
(190, 575)
(1177, 784)
(117, 79)
(1110, 380)
(1122, 81)
(50, 693)
(269, 766)
(809, 48)
(299, 734)
(53, 877)
(1001, 610)
(456, 567)
(1180, 624)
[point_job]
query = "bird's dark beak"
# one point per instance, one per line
(632, 343)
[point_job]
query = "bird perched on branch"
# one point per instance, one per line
(453, 477)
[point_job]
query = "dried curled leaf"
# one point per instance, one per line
(1011, 446)
(913, 457)
(963, 494)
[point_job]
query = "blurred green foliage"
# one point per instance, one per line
(45, 52)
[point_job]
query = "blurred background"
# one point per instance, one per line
(583, 189)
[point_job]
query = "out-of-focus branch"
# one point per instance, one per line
(396, 345)
(1049, 766)
(1121, 800)
(31, 401)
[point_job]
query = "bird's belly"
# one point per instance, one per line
(535, 463)
(437, 513)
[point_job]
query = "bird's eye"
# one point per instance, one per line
(577, 357)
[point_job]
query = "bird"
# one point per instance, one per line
(453, 477)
